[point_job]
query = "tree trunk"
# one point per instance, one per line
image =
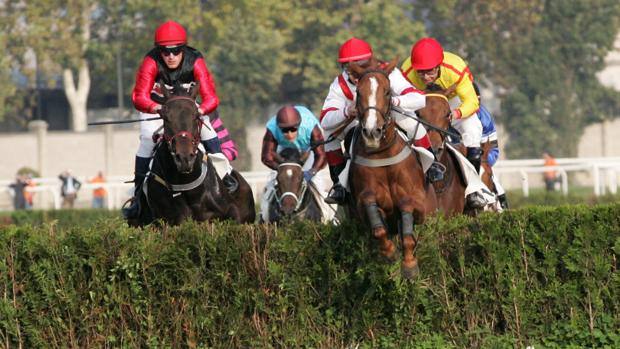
(77, 95)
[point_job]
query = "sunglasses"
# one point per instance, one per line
(288, 129)
(167, 51)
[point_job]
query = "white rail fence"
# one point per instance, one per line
(599, 173)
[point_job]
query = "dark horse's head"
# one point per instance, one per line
(437, 112)
(373, 100)
(290, 180)
(182, 125)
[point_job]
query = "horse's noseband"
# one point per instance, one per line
(298, 198)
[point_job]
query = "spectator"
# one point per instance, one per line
(99, 193)
(17, 192)
(28, 195)
(69, 188)
(551, 175)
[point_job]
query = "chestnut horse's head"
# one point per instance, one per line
(437, 112)
(182, 125)
(290, 180)
(373, 101)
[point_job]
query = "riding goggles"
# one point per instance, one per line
(167, 51)
(289, 129)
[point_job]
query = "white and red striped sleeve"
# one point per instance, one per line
(332, 114)
(409, 98)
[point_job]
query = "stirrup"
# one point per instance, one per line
(337, 195)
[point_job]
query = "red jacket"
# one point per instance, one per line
(192, 69)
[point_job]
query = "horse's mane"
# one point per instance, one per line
(433, 88)
(291, 155)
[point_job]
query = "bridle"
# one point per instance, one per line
(298, 198)
(385, 114)
(194, 138)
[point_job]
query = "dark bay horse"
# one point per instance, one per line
(294, 197)
(451, 190)
(182, 182)
(387, 183)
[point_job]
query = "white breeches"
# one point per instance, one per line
(469, 127)
(148, 128)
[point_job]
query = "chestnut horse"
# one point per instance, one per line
(451, 190)
(387, 182)
(182, 183)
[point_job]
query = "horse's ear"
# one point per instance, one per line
(193, 93)
(450, 90)
(356, 69)
(279, 159)
(391, 65)
(164, 90)
(304, 156)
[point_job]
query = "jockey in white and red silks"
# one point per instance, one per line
(339, 107)
(171, 63)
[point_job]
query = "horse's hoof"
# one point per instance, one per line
(389, 254)
(410, 272)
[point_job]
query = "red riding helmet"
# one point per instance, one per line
(426, 54)
(354, 49)
(170, 33)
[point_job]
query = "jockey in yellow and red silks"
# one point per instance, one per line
(430, 64)
(339, 107)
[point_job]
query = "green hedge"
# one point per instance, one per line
(541, 277)
(60, 218)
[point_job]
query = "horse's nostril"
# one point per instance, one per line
(366, 132)
(376, 133)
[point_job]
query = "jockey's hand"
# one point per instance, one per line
(308, 175)
(350, 112)
(157, 109)
(456, 114)
(395, 101)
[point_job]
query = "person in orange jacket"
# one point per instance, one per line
(99, 193)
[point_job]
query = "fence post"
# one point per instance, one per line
(39, 127)
(108, 146)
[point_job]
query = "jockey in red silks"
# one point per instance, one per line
(339, 107)
(171, 63)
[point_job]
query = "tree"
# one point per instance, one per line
(541, 57)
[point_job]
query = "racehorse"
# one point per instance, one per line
(182, 182)
(387, 183)
(487, 174)
(294, 197)
(451, 190)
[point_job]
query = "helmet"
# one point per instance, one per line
(354, 49)
(426, 54)
(170, 33)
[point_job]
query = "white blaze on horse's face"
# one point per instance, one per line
(289, 173)
(371, 121)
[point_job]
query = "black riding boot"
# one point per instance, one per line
(475, 200)
(338, 194)
(141, 168)
(437, 169)
(213, 146)
(474, 155)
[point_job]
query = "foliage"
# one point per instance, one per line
(540, 57)
(542, 277)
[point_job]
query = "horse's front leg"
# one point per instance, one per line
(409, 264)
(377, 224)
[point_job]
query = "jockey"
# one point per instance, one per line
(171, 63)
(429, 64)
(489, 134)
(293, 127)
(339, 107)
